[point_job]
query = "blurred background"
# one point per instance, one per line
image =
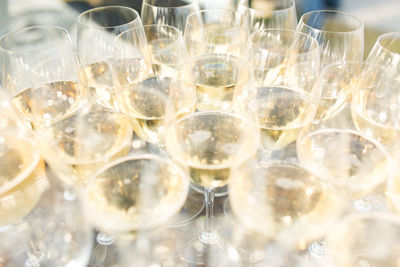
(379, 16)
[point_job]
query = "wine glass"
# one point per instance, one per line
(38, 226)
(340, 36)
(284, 99)
(375, 105)
(219, 80)
(207, 144)
(294, 205)
(97, 29)
(365, 239)
(79, 145)
(360, 162)
(135, 193)
(386, 50)
(168, 56)
(337, 82)
(216, 31)
(40, 74)
(173, 13)
(276, 14)
(154, 96)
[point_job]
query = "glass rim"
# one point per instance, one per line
(292, 5)
(134, 157)
(315, 48)
(102, 8)
(64, 33)
(341, 13)
(146, 2)
(385, 48)
(215, 10)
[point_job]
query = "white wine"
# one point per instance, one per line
(216, 78)
(22, 179)
(50, 102)
(282, 200)
(336, 87)
(105, 77)
(208, 144)
(99, 79)
(136, 193)
(282, 112)
(79, 145)
(381, 125)
(347, 159)
(154, 102)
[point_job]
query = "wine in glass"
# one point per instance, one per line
(38, 226)
(284, 99)
(97, 29)
(40, 74)
(282, 203)
(337, 82)
(153, 96)
(135, 194)
(207, 144)
(361, 163)
(375, 105)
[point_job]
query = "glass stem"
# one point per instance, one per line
(208, 235)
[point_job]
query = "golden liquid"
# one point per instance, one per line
(103, 76)
(209, 144)
(387, 135)
(282, 199)
(215, 79)
(49, 103)
(154, 102)
(282, 112)
(98, 77)
(105, 136)
(22, 180)
(329, 107)
(348, 160)
(136, 195)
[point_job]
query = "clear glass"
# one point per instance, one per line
(216, 31)
(360, 162)
(39, 226)
(386, 51)
(76, 147)
(272, 14)
(365, 239)
(135, 193)
(336, 81)
(97, 29)
(40, 74)
(172, 12)
(207, 144)
(375, 106)
(295, 206)
(340, 35)
(157, 82)
(283, 96)
(219, 79)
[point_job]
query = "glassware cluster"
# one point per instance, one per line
(107, 145)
